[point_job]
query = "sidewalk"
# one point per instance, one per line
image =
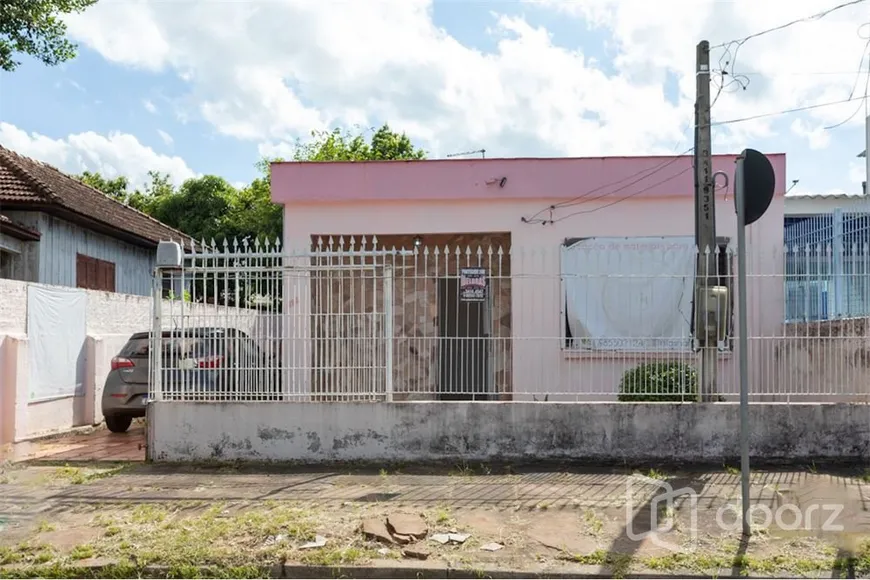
(466, 520)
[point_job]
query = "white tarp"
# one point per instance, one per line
(56, 334)
(630, 294)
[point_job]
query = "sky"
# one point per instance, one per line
(211, 86)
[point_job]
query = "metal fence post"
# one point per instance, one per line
(838, 251)
(388, 331)
(156, 348)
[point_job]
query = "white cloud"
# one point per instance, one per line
(111, 155)
(149, 106)
(857, 173)
(341, 66)
(817, 137)
(271, 71)
(166, 137)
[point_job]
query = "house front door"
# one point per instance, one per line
(464, 336)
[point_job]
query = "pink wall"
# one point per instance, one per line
(452, 197)
(470, 179)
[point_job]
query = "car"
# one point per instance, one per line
(199, 364)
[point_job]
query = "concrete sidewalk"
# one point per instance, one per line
(506, 521)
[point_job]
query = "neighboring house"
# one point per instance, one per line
(56, 230)
(538, 333)
(827, 237)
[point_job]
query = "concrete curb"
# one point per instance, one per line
(400, 570)
(397, 570)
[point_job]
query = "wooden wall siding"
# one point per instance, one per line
(343, 328)
(24, 266)
(20, 259)
(62, 241)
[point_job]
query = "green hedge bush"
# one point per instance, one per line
(659, 381)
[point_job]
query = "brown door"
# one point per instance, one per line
(464, 345)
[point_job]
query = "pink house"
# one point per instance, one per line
(513, 222)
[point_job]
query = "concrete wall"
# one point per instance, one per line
(111, 319)
(430, 431)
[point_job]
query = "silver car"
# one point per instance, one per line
(204, 364)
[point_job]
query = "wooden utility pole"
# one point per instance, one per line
(705, 229)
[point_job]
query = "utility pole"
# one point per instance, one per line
(706, 331)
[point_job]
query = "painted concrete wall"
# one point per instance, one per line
(422, 431)
(111, 319)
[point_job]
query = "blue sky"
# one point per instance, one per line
(227, 83)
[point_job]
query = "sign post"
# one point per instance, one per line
(754, 183)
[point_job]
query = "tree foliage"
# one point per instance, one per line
(209, 207)
(36, 28)
(338, 145)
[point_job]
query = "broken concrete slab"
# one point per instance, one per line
(440, 538)
(402, 539)
(407, 525)
(416, 553)
(376, 529)
(491, 547)
(319, 542)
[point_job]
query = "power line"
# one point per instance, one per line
(817, 16)
(864, 55)
(727, 69)
(586, 199)
(620, 200)
(787, 111)
(647, 172)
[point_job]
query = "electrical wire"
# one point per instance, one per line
(730, 59)
(817, 16)
(787, 111)
(864, 55)
(627, 197)
(582, 198)
(587, 199)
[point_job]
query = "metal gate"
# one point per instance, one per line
(249, 322)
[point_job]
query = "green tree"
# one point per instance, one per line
(198, 208)
(116, 188)
(36, 28)
(152, 195)
(252, 213)
(209, 207)
(338, 145)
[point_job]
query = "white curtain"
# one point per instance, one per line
(630, 294)
(56, 334)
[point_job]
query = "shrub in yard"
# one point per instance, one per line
(659, 381)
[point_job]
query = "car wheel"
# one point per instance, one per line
(118, 423)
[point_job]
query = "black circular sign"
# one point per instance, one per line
(759, 182)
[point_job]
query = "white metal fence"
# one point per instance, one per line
(472, 318)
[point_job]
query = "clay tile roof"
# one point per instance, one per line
(27, 182)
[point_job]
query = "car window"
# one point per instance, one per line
(137, 347)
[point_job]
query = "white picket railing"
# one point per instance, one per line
(592, 320)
